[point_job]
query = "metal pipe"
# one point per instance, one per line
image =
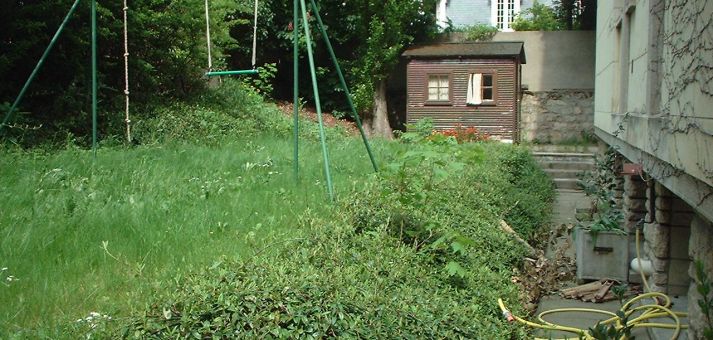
(94, 78)
(9, 113)
(315, 89)
(343, 84)
(295, 85)
(228, 73)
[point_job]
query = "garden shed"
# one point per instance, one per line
(467, 84)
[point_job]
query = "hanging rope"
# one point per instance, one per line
(126, 71)
(208, 40)
(254, 35)
(207, 36)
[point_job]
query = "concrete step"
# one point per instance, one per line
(564, 157)
(566, 183)
(564, 173)
(565, 148)
(566, 165)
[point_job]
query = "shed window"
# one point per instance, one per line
(438, 87)
(481, 88)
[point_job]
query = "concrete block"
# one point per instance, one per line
(677, 290)
(658, 288)
(607, 258)
(635, 204)
(660, 265)
(630, 225)
(679, 243)
(680, 205)
(634, 188)
(634, 215)
(663, 203)
(681, 219)
(678, 272)
(657, 238)
(659, 279)
(663, 217)
(661, 191)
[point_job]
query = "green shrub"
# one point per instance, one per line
(230, 111)
(414, 253)
(331, 282)
(539, 17)
(478, 32)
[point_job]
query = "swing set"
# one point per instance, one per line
(299, 9)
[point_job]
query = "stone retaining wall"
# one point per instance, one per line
(557, 116)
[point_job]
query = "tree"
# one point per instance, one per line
(368, 38)
(390, 26)
(576, 15)
(539, 17)
(166, 42)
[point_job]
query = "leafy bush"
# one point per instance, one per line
(601, 183)
(232, 110)
(478, 32)
(539, 17)
(416, 253)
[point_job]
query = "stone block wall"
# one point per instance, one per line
(666, 245)
(634, 207)
(556, 116)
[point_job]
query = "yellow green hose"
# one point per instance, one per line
(661, 307)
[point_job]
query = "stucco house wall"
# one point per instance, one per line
(654, 103)
(557, 103)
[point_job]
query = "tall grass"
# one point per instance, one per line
(85, 236)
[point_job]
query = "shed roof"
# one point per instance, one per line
(497, 49)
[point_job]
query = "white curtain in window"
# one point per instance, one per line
(474, 81)
(432, 88)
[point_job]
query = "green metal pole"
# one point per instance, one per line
(295, 84)
(9, 113)
(343, 83)
(316, 100)
(94, 77)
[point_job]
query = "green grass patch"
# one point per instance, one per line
(85, 236)
(413, 252)
(202, 231)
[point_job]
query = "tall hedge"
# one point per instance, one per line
(167, 53)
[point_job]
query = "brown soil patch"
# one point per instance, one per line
(311, 114)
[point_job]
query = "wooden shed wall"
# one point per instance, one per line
(499, 120)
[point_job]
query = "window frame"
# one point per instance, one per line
(429, 101)
(487, 72)
(507, 16)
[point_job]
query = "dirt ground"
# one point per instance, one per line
(327, 117)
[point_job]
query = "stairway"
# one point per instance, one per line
(564, 164)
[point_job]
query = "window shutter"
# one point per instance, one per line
(473, 96)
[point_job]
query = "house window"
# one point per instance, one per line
(503, 13)
(481, 89)
(438, 87)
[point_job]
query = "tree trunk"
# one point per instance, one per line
(380, 118)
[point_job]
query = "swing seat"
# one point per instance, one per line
(230, 73)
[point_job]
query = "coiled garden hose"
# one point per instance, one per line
(635, 316)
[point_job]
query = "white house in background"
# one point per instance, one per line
(498, 13)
